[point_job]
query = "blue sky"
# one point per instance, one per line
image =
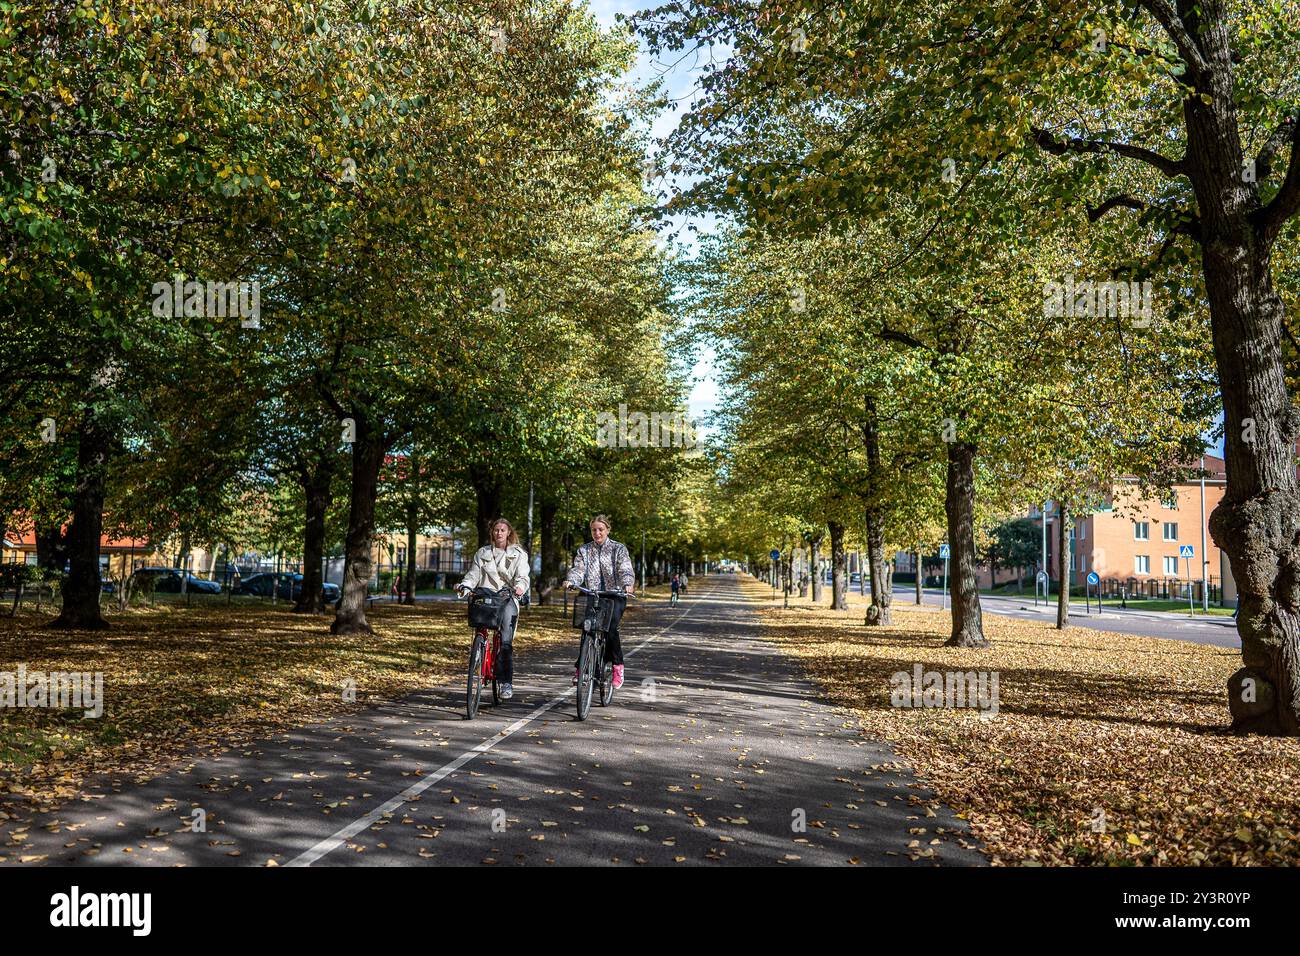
(679, 77)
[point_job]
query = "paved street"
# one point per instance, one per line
(716, 751)
(1218, 631)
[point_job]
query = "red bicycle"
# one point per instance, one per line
(482, 669)
(485, 609)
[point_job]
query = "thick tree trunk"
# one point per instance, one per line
(81, 590)
(367, 459)
(51, 548)
(881, 600)
(1257, 523)
(839, 573)
(316, 482)
(550, 552)
(959, 504)
(1063, 560)
(487, 501)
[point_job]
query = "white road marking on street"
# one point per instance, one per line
(334, 841)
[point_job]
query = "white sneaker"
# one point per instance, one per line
(507, 691)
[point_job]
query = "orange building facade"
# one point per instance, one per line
(1134, 543)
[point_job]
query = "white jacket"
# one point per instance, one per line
(497, 569)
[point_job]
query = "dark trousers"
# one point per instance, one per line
(613, 646)
(506, 662)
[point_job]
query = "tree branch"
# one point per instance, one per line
(1286, 130)
(1114, 202)
(1048, 141)
(890, 335)
(1173, 25)
(1287, 201)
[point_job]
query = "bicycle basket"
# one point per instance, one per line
(486, 610)
(584, 609)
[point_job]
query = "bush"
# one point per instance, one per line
(13, 575)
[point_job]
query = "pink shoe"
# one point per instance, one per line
(574, 682)
(618, 676)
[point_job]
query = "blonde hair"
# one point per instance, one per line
(514, 537)
(603, 519)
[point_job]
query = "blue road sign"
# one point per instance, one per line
(943, 551)
(1186, 551)
(775, 555)
(1093, 578)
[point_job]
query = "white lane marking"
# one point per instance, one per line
(334, 841)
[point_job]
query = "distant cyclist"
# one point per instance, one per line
(497, 566)
(677, 586)
(604, 564)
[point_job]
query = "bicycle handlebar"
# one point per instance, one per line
(601, 593)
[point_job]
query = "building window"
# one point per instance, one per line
(1082, 532)
(1170, 503)
(1171, 567)
(1141, 564)
(1141, 531)
(1171, 530)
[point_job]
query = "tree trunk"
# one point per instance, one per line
(367, 459)
(959, 504)
(81, 590)
(316, 484)
(881, 600)
(550, 552)
(1063, 560)
(918, 576)
(814, 558)
(1257, 523)
(487, 499)
(839, 574)
(51, 548)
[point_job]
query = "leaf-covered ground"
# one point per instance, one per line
(178, 681)
(1093, 727)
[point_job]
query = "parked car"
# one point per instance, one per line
(168, 581)
(287, 586)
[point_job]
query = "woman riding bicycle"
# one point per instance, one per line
(497, 566)
(604, 564)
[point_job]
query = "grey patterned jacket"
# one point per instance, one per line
(612, 558)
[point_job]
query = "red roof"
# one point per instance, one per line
(26, 541)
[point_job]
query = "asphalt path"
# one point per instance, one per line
(717, 751)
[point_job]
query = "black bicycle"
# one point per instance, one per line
(594, 672)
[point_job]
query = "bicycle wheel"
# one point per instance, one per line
(586, 676)
(606, 684)
(496, 663)
(474, 685)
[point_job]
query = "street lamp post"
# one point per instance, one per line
(1205, 553)
(1045, 537)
